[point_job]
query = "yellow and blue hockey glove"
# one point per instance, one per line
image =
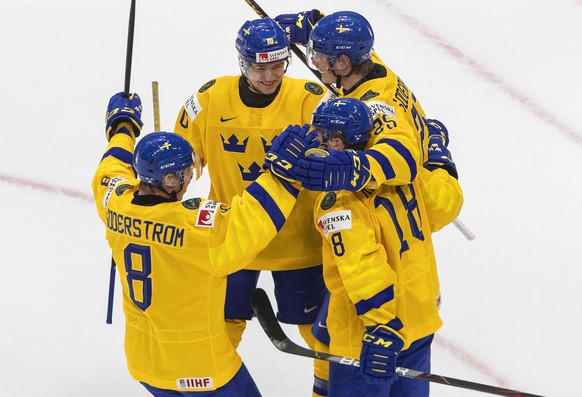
(287, 149)
(380, 348)
(121, 108)
(299, 26)
(333, 170)
(439, 155)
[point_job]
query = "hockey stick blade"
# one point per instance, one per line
(266, 316)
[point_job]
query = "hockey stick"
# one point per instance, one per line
(129, 52)
(463, 229)
(266, 316)
(156, 101)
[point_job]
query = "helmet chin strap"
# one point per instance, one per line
(338, 78)
(174, 193)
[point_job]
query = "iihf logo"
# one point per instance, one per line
(195, 383)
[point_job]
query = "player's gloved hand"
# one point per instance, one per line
(298, 26)
(332, 170)
(439, 155)
(380, 347)
(121, 109)
(287, 149)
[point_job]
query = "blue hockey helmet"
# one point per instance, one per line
(342, 33)
(349, 118)
(161, 153)
(262, 41)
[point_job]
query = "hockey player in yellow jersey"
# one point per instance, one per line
(231, 122)
(340, 47)
(379, 267)
(174, 256)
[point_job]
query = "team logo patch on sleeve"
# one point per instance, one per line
(192, 204)
(314, 88)
(328, 201)
(119, 190)
(369, 95)
(335, 221)
(377, 107)
(206, 214)
(110, 189)
(207, 86)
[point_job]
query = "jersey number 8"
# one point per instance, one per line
(138, 265)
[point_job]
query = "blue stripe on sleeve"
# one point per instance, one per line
(385, 163)
(270, 206)
(395, 324)
(365, 305)
(120, 154)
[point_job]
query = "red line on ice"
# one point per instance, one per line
(12, 180)
(491, 78)
(486, 74)
(470, 360)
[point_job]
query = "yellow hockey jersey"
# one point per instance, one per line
(232, 139)
(173, 258)
(385, 93)
(378, 264)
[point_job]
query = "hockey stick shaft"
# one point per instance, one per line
(266, 316)
(296, 50)
(463, 229)
(129, 52)
(156, 102)
(112, 272)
